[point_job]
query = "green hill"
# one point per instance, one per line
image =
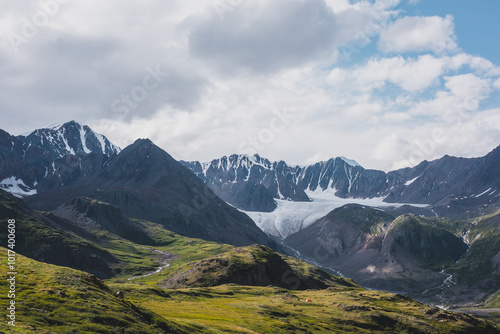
(254, 265)
(54, 299)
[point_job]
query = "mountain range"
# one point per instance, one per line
(430, 232)
(57, 164)
(450, 186)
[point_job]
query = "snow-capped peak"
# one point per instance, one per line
(350, 162)
(69, 138)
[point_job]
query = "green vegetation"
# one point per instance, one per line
(482, 261)
(53, 299)
(490, 310)
(244, 309)
(494, 301)
(434, 246)
(254, 265)
(365, 219)
(184, 249)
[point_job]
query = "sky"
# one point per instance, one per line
(388, 83)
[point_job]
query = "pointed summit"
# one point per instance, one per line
(68, 139)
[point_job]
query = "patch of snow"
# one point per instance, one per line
(65, 141)
(100, 138)
(205, 166)
(82, 138)
(484, 192)
(351, 162)
(407, 183)
(278, 187)
(16, 187)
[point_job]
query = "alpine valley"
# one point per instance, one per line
(111, 240)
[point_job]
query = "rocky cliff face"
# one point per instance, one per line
(249, 183)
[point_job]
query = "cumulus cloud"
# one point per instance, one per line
(418, 34)
(409, 74)
(464, 93)
(266, 35)
(496, 84)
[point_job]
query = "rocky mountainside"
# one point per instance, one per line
(50, 166)
(146, 182)
(41, 159)
(94, 217)
(452, 186)
(51, 239)
(249, 183)
(434, 259)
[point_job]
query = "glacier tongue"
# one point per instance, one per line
(290, 217)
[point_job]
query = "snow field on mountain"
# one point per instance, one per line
(290, 217)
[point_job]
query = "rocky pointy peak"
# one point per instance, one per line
(38, 160)
(142, 165)
(69, 138)
(249, 182)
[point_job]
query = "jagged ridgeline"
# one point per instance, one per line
(450, 185)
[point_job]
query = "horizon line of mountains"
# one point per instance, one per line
(68, 173)
(451, 186)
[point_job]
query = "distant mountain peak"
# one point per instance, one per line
(69, 138)
(38, 159)
(350, 162)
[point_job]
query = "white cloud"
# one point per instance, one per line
(496, 84)
(464, 93)
(418, 33)
(471, 137)
(265, 36)
(410, 74)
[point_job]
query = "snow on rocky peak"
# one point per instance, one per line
(69, 138)
(350, 162)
